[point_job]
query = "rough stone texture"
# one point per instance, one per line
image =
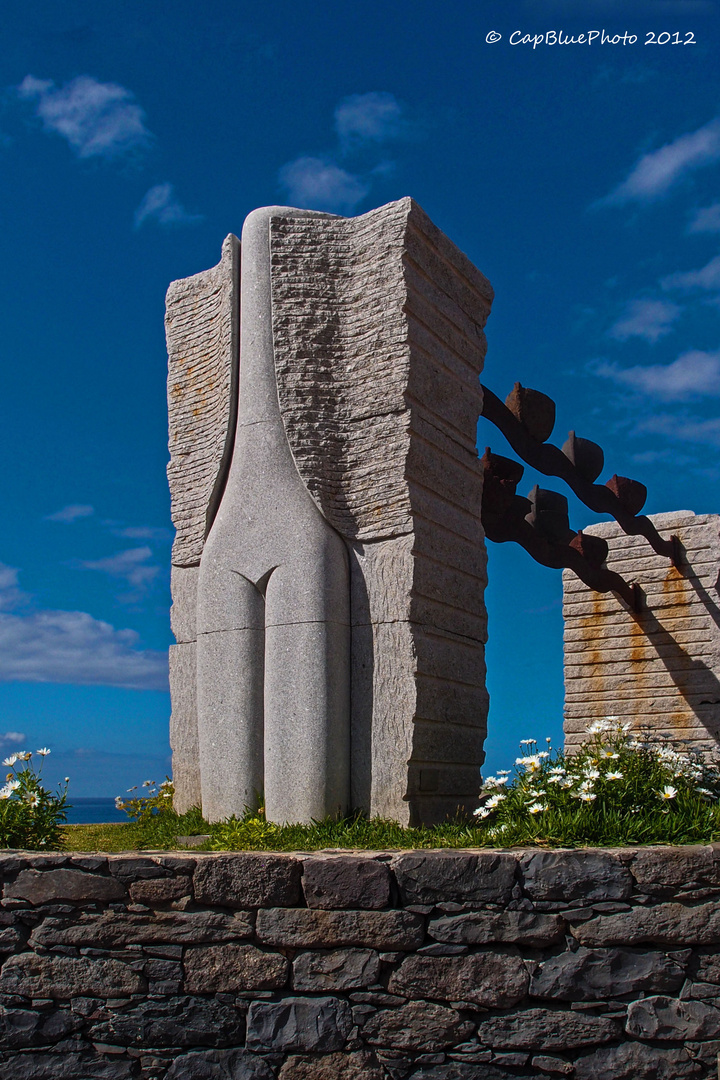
(106, 931)
(492, 979)
(574, 875)
(482, 877)
(185, 1021)
(248, 880)
(483, 928)
(593, 974)
(226, 968)
(665, 1018)
(298, 1024)
(666, 924)
(304, 929)
(43, 887)
(377, 343)
(345, 882)
(219, 1065)
(335, 969)
(660, 669)
(67, 976)
(468, 985)
(636, 1061)
(546, 1030)
(360, 1065)
(420, 1025)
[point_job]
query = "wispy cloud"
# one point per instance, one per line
(71, 513)
(131, 566)
(707, 277)
(144, 532)
(683, 429)
(376, 117)
(159, 204)
(706, 220)
(97, 119)
(649, 319)
(13, 738)
(658, 171)
(318, 184)
(693, 375)
(70, 647)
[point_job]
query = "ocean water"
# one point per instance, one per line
(94, 811)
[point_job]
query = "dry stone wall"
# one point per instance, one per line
(660, 668)
(455, 965)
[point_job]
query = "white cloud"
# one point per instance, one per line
(315, 183)
(73, 647)
(649, 319)
(70, 647)
(707, 277)
(97, 119)
(159, 204)
(706, 219)
(144, 532)
(13, 737)
(131, 566)
(683, 429)
(71, 513)
(656, 172)
(695, 374)
(374, 117)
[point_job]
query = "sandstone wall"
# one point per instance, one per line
(660, 668)
(455, 965)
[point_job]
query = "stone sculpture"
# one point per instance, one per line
(657, 668)
(329, 568)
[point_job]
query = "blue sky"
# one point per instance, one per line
(583, 179)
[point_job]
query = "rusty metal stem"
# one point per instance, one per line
(551, 461)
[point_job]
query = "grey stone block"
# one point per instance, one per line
(483, 927)
(180, 1021)
(666, 1018)
(434, 877)
(63, 886)
(545, 1029)
(491, 979)
(118, 929)
(417, 1026)
(306, 929)
(335, 969)
(64, 977)
(248, 880)
(636, 1061)
(666, 924)
(234, 1064)
(160, 891)
(230, 968)
(319, 1024)
(346, 881)
(68, 1066)
(594, 974)
(574, 875)
(360, 1065)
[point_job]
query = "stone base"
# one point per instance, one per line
(421, 965)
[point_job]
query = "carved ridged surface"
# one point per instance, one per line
(659, 669)
(378, 328)
(201, 326)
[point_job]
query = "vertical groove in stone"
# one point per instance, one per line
(201, 324)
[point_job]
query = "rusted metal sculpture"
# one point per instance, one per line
(540, 523)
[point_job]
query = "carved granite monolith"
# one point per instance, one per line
(329, 566)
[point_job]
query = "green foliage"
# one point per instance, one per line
(616, 789)
(31, 816)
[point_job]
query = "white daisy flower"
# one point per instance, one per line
(668, 792)
(495, 801)
(613, 776)
(10, 760)
(43, 752)
(587, 796)
(536, 808)
(481, 812)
